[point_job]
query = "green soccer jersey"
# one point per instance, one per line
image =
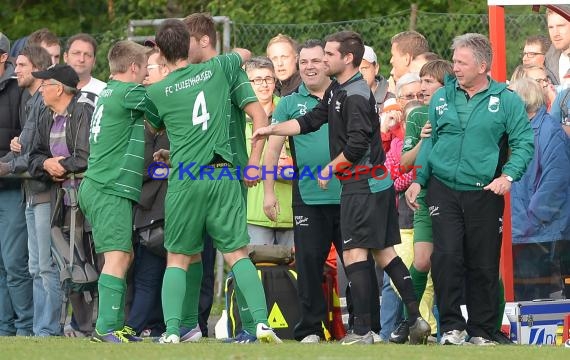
(241, 94)
(193, 103)
(414, 124)
(311, 152)
(116, 157)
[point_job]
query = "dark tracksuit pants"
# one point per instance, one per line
(315, 228)
(467, 230)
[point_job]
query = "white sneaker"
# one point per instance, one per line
(479, 341)
(377, 339)
(311, 339)
(266, 334)
(453, 337)
(170, 339)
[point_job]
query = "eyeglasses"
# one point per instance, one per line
(531, 54)
(266, 80)
(153, 66)
(44, 84)
(418, 96)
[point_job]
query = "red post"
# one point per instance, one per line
(499, 73)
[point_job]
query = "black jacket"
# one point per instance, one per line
(76, 136)
(10, 94)
(354, 129)
(10, 125)
(150, 208)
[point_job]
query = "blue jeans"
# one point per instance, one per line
(147, 284)
(16, 304)
(48, 295)
(390, 309)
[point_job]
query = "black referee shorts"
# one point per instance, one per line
(369, 221)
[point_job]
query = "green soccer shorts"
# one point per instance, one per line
(110, 216)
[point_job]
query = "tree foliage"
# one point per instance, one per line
(107, 20)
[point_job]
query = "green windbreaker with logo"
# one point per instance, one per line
(468, 155)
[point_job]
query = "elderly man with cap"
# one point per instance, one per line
(61, 144)
(16, 307)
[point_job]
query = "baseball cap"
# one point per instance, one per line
(60, 72)
(369, 54)
(4, 43)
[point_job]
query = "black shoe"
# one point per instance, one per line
(501, 338)
(401, 334)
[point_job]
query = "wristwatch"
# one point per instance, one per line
(509, 179)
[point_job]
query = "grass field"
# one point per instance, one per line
(81, 349)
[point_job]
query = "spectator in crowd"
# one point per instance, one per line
(49, 41)
(262, 229)
(422, 59)
(540, 203)
(534, 51)
(148, 221)
(223, 219)
(538, 74)
(407, 89)
(243, 101)
(17, 311)
(559, 109)
(406, 46)
(557, 60)
(356, 140)
(467, 181)
(47, 292)
(370, 70)
(80, 54)
(113, 181)
(282, 50)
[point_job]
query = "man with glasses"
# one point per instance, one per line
(534, 50)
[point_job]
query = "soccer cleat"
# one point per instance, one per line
(501, 338)
(169, 339)
(190, 335)
(567, 344)
(351, 339)
(243, 337)
(419, 332)
(266, 334)
(479, 341)
(401, 333)
(110, 337)
(130, 334)
(453, 337)
(311, 339)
